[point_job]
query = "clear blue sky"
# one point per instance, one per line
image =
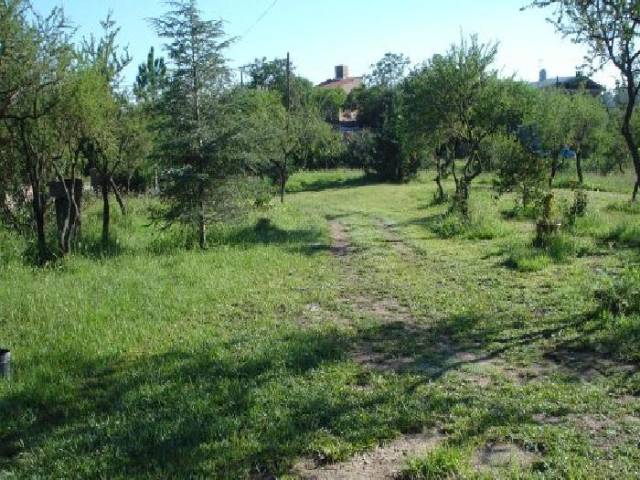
(323, 33)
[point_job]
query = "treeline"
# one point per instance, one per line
(454, 114)
(212, 148)
(209, 147)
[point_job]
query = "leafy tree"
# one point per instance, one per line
(195, 136)
(522, 165)
(552, 116)
(104, 134)
(459, 98)
(587, 118)
(272, 75)
(381, 108)
(41, 66)
(151, 79)
(389, 71)
(610, 28)
(329, 101)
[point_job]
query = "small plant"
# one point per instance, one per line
(547, 227)
(443, 462)
(621, 296)
(580, 203)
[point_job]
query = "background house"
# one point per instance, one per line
(571, 84)
(347, 118)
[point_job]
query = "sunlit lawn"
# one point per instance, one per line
(159, 361)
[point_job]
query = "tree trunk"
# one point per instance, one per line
(202, 226)
(438, 181)
(281, 168)
(38, 216)
(628, 135)
(554, 171)
(579, 167)
(106, 212)
(283, 182)
(114, 187)
(462, 197)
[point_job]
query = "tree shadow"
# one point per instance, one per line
(233, 410)
(322, 183)
(265, 232)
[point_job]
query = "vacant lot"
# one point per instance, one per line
(354, 332)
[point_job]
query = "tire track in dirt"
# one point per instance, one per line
(386, 460)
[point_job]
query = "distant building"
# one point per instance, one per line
(348, 119)
(571, 84)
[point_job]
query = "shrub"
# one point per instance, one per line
(624, 207)
(523, 258)
(580, 203)
(443, 462)
(622, 295)
(624, 234)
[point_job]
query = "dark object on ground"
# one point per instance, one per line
(5, 364)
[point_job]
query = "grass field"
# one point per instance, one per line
(354, 330)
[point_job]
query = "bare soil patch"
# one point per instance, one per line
(340, 246)
(385, 462)
(502, 455)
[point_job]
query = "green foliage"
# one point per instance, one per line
(621, 296)
(329, 102)
(389, 71)
(272, 75)
(381, 111)
(557, 248)
(520, 165)
(197, 138)
(151, 79)
(443, 462)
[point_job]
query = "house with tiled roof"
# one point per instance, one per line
(571, 83)
(348, 119)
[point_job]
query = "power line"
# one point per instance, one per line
(259, 19)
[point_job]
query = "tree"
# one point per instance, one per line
(194, 133)
(151, 79)
(389, 71)
(103, 141)
(521, 163)
(552, 116)
(459, 98)
(381, 108)
(41, 66)
(329, 102)
(587, 118)
(610, 28)
(272, 75)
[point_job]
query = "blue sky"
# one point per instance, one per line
(323, 33)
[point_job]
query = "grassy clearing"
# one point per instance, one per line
(155, 360)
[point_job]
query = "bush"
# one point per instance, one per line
(624, 234)
(621, 296)
(580, 203)
(361, 149)
(443, 462)
(477, 227)
(532, 257)
(625, 207)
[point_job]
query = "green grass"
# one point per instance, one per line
(155, 360)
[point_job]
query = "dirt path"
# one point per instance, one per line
(385, 461)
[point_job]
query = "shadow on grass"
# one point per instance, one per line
(239, 410)
(265, 232)
(93, 248)
(328, 183)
